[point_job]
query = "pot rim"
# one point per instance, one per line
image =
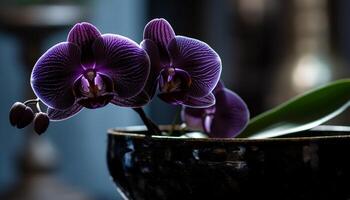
(340, 132)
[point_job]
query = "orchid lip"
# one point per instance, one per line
(96, 102)
(173, 80)
(93, 89)
(174, 98)
(173, 85)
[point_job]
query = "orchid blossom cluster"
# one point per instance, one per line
(91, 70)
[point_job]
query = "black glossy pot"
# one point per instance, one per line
(316, 167)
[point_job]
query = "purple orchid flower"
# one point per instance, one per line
(226, 119)
(186, 70)
(89, 70)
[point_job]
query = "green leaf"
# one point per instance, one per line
(302, 112)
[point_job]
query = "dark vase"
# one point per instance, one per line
(313, 165)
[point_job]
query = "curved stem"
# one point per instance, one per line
(31, 101)
(38, 106)
(153, 129)
(176, 118)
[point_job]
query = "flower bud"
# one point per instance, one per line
(26, 117)
(41, 123)
(16, 112)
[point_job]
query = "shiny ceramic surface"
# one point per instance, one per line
(316, 167)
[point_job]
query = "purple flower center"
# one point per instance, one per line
(93, 89)
(174, 84)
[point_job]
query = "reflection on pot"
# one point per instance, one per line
(187, 168)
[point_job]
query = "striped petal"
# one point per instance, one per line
(161, 33)
(137, 101)
(54, 73)
(152, 81)
(83, 35)
(57, 115)
(124, 61)
(200, 102)
(199, 60)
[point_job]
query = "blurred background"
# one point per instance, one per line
(271, 50)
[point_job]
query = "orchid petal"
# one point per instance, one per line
(84, 34)
(192, 117)
(57, 115)
(173, 98)
(54, 73)
(219, 86)
(207, 122)
(200, 102)
(137, 101)
(199, 60)
(160, 32)
(124, 61)
(231, 115)
(152, 81)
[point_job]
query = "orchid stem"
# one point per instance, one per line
(176, 118)
(153, 129)
(38, 106)
(31, 101)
